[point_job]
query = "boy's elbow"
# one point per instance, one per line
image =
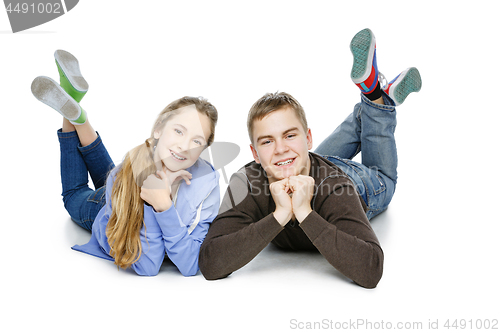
(209, 267)
(373, 273)
(211, 275)
(371, 281)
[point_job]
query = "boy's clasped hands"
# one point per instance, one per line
(292, 196)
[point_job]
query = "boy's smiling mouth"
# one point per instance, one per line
(285, 162)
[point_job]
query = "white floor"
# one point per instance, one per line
(439, 236)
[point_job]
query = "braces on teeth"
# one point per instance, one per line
(285, 163)
(178, 157)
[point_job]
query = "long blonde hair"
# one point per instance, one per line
(127, 217)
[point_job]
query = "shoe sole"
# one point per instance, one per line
(362, 48)
(50, 93)
(70, 67)
(408, 81)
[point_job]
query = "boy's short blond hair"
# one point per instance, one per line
(271, 102)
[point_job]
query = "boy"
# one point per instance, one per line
(301, 200)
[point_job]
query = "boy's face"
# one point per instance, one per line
(281, 145)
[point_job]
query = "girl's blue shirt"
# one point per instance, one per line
(178, 231)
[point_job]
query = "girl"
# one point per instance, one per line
(160, 199)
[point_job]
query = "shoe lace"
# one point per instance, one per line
(382, 80)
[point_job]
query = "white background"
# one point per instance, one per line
(440, 234)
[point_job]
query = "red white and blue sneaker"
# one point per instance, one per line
(364, 72)
(404, 84)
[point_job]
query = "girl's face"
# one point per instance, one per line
(182, 139)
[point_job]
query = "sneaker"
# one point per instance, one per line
(49, 92)
(71, 78)
(364, 72)
(404, 84)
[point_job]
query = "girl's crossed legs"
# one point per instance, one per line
(83, 153)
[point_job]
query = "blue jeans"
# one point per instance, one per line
(77, 162)
(369, 129)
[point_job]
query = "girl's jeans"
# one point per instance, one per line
(369, 129)
(82, 202)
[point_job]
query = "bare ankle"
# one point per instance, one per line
(67, 126)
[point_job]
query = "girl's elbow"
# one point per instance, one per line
(189, 271)
(147, 270)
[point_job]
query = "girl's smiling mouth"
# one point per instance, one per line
(177, 156)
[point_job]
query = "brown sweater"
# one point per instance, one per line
(337, 226)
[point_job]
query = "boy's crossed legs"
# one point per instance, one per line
(370, 127)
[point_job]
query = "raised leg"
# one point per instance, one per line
(345, 141)
(81, 202)
(378, 144)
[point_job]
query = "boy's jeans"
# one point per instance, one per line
(82, 202)
(369, 129)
